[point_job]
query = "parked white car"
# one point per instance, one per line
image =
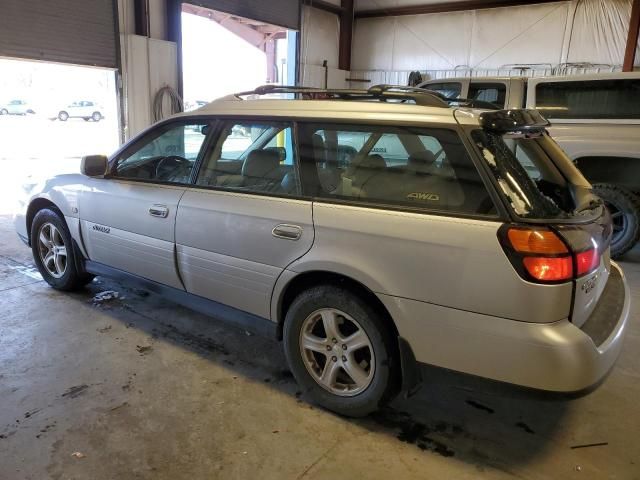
(85, 109)
(368, 230)
(16, 107)
(594, 118)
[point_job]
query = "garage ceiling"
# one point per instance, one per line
(377, 8)
(285, 13)
(380, 4)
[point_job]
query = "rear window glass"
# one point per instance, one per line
(529, 173)
(589, 99)
(387, 165)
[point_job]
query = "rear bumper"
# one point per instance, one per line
(556, 356)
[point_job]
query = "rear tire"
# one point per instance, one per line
(340, 351)
(53, 251)
(624, 207)
(96, 117)
(4, 111)
(63, 116)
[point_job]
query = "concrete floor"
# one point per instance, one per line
(137, 387)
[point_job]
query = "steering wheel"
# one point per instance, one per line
(172, 167)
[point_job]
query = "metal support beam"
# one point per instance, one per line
(141, 17)
(445, 7)
(174, 34)
(632, 38)
(326, 6)
(346, 35)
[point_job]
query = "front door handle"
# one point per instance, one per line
(159, 211)
(286, 231)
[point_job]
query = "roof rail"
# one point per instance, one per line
(382, 93)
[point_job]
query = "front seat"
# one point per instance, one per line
(421, 163)
(262, 168)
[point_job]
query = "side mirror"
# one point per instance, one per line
(94, 166)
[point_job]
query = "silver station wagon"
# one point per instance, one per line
(369, 230)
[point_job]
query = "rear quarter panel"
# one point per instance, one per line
(451, 262)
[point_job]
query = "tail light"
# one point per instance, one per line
(543, 256)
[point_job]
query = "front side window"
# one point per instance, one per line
(597, 99)
(448, 89)
(167, 154)
(396, 166)
(495, 93)
(252, 157)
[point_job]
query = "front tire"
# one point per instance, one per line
(63, 116)
(4, 111)
(624, 207)
(340, 351)
(53, 252)
(96, 117)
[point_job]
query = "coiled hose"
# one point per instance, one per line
(175, 103)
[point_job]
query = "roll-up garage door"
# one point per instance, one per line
(284, 13)
(81, 32)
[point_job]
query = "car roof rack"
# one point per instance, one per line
(382, 93)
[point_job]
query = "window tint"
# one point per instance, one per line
(252, 157)
(495, 93)
(448, 89)
(404, 166)
(589, 99)
(167, 154)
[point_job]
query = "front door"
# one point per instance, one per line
(128, 219)
(245, 220)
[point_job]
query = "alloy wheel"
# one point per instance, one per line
(619, 220)
(337, 352)
(52, 249)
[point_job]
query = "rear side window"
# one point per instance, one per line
(616, 99)
(448, 89)
(395, 166)
(495, 93)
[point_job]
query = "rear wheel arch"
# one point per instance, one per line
(622, 171)
(307, 280)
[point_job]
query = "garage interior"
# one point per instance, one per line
(118, 382)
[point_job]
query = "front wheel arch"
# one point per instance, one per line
(34, 207)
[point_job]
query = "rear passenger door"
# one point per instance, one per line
(245, 220)
(410, 215)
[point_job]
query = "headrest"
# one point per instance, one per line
(317, 141)
(318, 145)
(421, 159)
(259, 163)
(373, 161)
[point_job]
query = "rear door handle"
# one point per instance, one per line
(286, 231)
(159, 211)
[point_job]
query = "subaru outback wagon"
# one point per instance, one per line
(369, 230)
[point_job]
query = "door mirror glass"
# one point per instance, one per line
(94, 165)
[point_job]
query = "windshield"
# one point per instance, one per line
(533, 174)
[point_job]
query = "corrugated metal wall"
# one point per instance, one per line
(552, 38)
(81, 32)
